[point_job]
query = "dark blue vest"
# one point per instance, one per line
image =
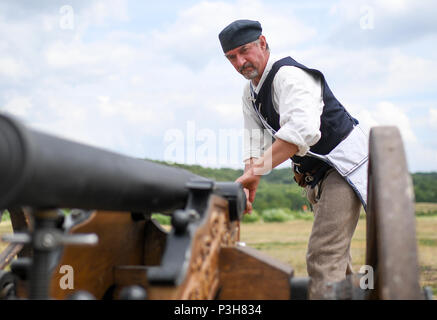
(335, 125)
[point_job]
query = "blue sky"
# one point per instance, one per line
(149, 79)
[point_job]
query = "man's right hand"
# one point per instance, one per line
(247, 167)
(249, 206)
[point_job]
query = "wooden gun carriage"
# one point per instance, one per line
(109, 247)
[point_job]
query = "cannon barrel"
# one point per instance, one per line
(44, 171)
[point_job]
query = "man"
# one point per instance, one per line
(309, 125)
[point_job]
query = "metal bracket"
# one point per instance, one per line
(233, 192)
(47, 240)
(177, 253)
(7, 285)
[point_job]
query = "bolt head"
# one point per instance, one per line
(133, 293)
(180, 220)
(48, 240)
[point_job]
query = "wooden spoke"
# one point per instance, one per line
(391, 232)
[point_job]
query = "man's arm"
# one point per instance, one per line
(253, 142)
(247, 165)
(279, 151)
(298, 96)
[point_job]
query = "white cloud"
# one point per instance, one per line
(101, 11)
(134, 112)
(372, 74)
(433, 116)
(385, 113)
(421, 157)
(410, 72)
(19, 106)
(193, 36)
(227, 110)
(12, 68)
(395, 6)
(75, 54)
(420, 154)
(122, 87)
(393, 22)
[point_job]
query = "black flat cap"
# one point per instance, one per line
(239, 33)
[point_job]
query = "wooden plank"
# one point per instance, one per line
(247, 274)
(121, 242)
(202, 278)
(130, 275)
(391, 237)
(21, 222)
(9, 253)
(154, 243)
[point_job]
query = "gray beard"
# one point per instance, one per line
(251, 75)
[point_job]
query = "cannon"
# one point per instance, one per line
(110, 247)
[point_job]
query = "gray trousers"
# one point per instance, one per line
(336, 212)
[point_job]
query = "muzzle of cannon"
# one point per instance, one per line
(109, 247)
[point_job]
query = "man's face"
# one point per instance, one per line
(249, 59)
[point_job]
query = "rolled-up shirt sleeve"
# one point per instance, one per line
(297, 95)
(253, 142)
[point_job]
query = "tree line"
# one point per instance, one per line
(278, 189)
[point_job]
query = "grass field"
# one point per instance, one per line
(287, 242)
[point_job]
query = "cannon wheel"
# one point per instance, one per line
(21, 222)
(391, 229)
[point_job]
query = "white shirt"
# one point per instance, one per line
(297, 97)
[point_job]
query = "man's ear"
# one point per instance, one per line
(263, 42)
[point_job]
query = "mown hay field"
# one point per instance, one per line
(287, 242)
